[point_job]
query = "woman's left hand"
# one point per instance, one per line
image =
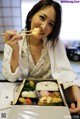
(75, 108)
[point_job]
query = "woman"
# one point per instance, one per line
(42, 56)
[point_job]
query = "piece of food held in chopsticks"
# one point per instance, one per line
(34, 32)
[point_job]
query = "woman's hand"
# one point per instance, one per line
(75, 107)
(11, 38)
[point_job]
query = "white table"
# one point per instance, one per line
(6, 96)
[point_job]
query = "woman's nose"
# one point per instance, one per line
(44, 26)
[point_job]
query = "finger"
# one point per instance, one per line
(14, 38)
(9, 34)
(73, 106)
(76, 110)
(13, 44)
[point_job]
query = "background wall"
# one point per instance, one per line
(10, 17)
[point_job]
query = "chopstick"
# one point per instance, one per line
(22, 33)
(29, 32)
(2, 34)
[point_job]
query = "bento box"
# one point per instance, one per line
(40, 92)
(39, 99)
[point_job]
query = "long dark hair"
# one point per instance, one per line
(53, 36)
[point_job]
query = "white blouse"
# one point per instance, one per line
(43, 67)
(53, 62)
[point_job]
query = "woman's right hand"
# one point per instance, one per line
(11, 38)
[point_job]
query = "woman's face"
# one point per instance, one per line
(44, 20)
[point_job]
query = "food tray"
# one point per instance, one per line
(39, 92)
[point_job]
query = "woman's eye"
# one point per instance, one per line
(42, 17)
(51, 24)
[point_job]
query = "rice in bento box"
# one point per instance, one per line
(47, 85)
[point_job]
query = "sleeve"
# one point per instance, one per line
(6, 70)
(65, 73)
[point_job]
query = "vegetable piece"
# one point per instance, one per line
(49, 99)
(31, 83)
(24, 94)
(43, 99)
(28, 101)
(44, 93)
(22, 100)
(28, 86)
(56, 100)
(30, 94)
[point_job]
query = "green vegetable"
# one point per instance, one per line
(31, 83)
(28, 86)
